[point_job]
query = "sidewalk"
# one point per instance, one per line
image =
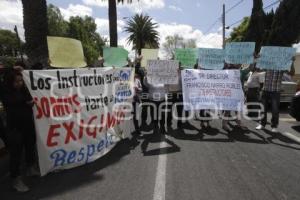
(290, 130)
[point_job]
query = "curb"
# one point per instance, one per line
(291, 137)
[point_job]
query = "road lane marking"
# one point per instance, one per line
(287, 119)
(292, 137)
(160, 179)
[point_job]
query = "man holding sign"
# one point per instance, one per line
(238, 54)
(275, 60)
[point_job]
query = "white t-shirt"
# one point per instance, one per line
(157, 92)
(254, 80)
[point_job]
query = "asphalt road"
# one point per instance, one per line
(188, 164)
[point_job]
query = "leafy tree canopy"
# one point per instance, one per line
(80, 28)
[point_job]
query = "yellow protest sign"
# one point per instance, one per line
(148, 54)
(65, 52)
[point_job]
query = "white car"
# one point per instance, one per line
(288, 87)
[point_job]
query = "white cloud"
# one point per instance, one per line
(123, 43)
(175, 8)
(99, 3)
(11, 14)
(136, 6)
(103, 26)
(211, 40)
(76, 10)
(198, 4)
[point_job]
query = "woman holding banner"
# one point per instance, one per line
(18, 105)
(226, 116)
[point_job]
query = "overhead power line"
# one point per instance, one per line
(267, 7)
(220, 18)
(234, 6)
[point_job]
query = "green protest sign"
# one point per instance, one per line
(115, 57)
(187, 57)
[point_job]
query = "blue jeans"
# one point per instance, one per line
(274, 98)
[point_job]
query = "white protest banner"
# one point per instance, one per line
(211, 58)
(162, 71)
(276, 58)
(239, 52)
(212, 89)
(78, 113)
(148, 54)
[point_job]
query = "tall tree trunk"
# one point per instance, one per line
(113, 30)
(36, 29)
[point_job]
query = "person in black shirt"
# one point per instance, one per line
(20, 127)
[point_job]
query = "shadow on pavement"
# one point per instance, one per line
(157, 138)
(236, 134)
(243, 134)
(60, 182)
(281, 138)
(296, 128)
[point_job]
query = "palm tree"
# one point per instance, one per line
(112, 16)
(36, 29)
(142, 32)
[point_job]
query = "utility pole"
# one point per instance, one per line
(19, 40)
(223, 21)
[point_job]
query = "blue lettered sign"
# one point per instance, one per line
(276, 58)
(211, 58)
(239, 52)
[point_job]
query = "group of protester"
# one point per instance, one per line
(18, 133)
(260, 87)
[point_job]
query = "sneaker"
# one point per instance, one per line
(274, 130)
(32, 171)
(19, 185)
(260, 127)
